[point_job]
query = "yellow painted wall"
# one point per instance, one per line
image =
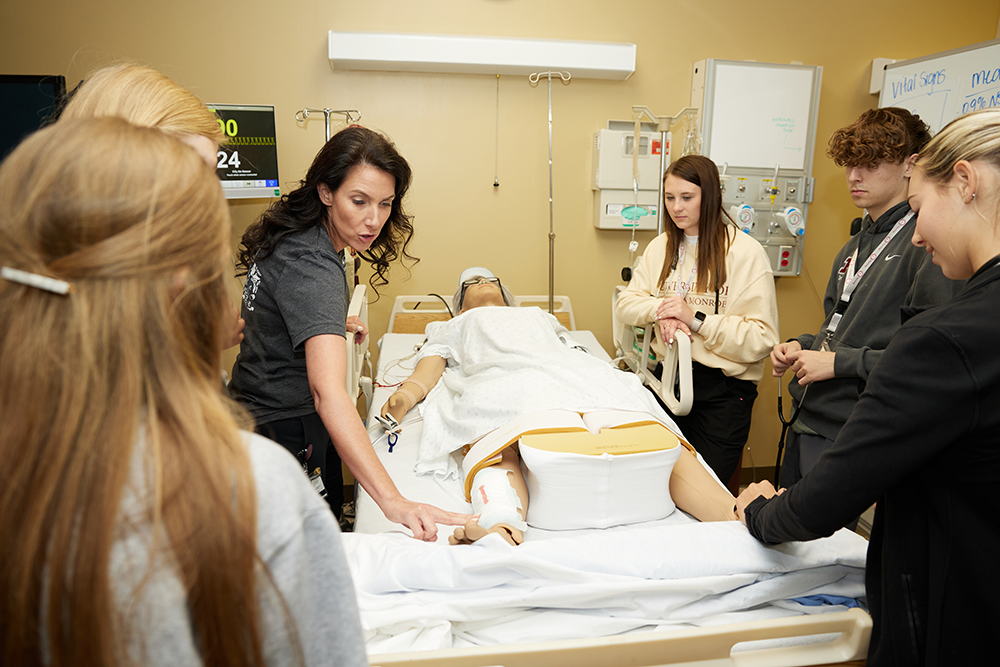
(255, 51)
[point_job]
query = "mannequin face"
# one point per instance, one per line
(682, 200)
(483, 292)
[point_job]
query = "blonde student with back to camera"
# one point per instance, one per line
(140, 524)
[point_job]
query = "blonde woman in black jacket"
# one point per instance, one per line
(924, 439)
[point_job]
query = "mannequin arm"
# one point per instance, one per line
(694, 491)
(413, 389)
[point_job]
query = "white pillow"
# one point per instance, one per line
(568, 491)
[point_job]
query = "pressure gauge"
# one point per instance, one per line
(745, 217)
(794, 221)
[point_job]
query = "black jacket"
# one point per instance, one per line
(924, 442)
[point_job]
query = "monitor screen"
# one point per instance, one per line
(25, 102)
(248, 162)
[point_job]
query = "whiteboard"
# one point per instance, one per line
(761, 114)
(943, 86)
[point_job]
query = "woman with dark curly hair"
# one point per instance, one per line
(291, 370)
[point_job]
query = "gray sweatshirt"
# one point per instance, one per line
(902, 275)
(298, 539)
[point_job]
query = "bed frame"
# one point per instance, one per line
(833, 638)
(687, 647)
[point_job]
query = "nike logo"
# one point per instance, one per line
(892, 257)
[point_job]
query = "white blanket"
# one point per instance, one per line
(414, 595)
(505, 362)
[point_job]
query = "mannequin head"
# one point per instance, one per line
(478, 286)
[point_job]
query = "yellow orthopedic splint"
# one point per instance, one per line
(592, 433)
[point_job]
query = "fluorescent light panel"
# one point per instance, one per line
(470, 54)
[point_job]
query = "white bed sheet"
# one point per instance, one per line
(567, 584)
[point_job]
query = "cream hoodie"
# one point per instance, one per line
(741, 336)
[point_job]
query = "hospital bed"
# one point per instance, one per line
(630, 595)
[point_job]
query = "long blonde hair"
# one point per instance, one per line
(144, 97)
(137, 224)
(974, 136)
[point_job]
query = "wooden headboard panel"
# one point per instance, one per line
(412, 313)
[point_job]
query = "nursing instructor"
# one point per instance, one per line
(291, 370)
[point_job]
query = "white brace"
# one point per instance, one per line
(495, 500)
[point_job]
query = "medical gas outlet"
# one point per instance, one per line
(745, 217)
(779, 225)
(793, 220)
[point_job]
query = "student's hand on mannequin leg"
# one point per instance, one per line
(751, 493)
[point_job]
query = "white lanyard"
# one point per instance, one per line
(683, 289)
(852, 280)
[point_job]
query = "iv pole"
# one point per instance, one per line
(533, 80)
(350, 116)
(663, 125)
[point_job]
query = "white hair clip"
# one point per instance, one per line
(53, 285)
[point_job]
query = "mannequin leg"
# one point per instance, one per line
(694, 491)
(472, 531)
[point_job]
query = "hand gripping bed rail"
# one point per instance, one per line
(676, 371)
(676, 366)
(684, 647)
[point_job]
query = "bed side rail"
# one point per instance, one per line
(685, 647)
(636, 356)
(357, 355)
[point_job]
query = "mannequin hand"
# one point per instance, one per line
(473, 531)
(675, 307)
(669, 326)
(422, 519)
(751, 493)
(395, 406)
(357, 327)
(811, 366)
(779, 357)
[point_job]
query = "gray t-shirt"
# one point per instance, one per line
(297, 292)
(297, 538)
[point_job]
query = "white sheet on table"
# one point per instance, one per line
(505, 362)
(414, 595)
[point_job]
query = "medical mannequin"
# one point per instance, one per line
(691, 486)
